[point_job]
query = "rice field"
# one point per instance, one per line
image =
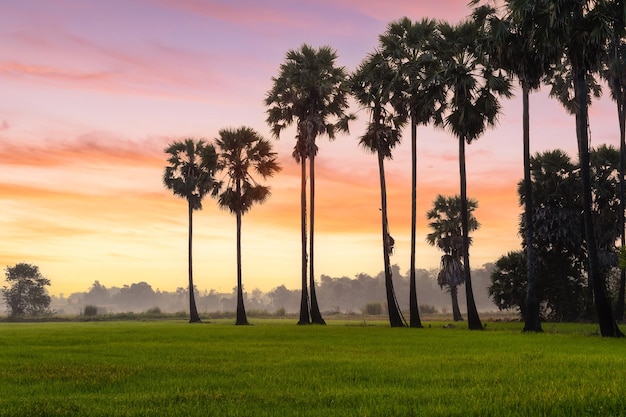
(275, 368)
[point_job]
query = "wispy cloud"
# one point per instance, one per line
(158, 69)
(16, 69)
(452, 10)
(90, 148)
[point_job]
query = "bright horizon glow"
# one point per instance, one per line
(92, 92)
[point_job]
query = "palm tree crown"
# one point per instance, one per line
(243, 151)
(372, 86)
(191, 170)
(445, 223)
(310, 92)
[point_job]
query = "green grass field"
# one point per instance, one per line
(275, 368)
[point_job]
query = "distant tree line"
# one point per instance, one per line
(346, 295)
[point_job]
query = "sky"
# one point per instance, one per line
(91, 92)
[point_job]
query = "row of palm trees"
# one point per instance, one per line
(453, 76)
(450, 76)
(191, 173)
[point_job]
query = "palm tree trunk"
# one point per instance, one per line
(395, 315)
(456, 311)
(608, 326)
(316, 316)
(304, 299)
(193, 311)
(532, 322)
(621, 113)
(241, 310)
(413, 307)
(473, 320)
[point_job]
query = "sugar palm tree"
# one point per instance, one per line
(473, 90)
(514, 51)
(372, 85)
(411, 48)
(445, 223)
(242, 151)
(560, 78)
(577, 31)
(309, 92)
(614, 72)
(191, 175)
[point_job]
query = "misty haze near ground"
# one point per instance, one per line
(346, 295)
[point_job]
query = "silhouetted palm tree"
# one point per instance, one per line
(372, 86)
(577, 32)
(242, 151)
(191, 175)
(411, 49)
(445, 223)
(614, 73)
(514, 51)
(309, 92)
(473, 90)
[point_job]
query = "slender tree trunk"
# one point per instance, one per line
(304, 299)
(621, 113)
(395, 315)
(473, 320)
(456, 311)
(316, 316)
(608, 326)
(193, 311)
(413, 307)
(241, 310)
(532, 323)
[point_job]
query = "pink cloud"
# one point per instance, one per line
(157, 69)
(241, 14)
(16, 69)
(452, 10)
(98, 147)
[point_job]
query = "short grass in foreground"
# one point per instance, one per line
(275, 368)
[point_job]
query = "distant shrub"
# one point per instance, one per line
(280, 312)
(373, 309)
(427, 309)
(90, 310)
(154, 311)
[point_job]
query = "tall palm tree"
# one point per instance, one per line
(372, 86)
(560, 78)
(191, 175)
(411, 49)
(579, 31)
(473, 90)
(243, 150)
(309, 92)
(445, 223)
(614, 72)
(514, 51)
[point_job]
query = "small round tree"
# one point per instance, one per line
(27, 295)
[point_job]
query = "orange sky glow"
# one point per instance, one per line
(92, 92)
